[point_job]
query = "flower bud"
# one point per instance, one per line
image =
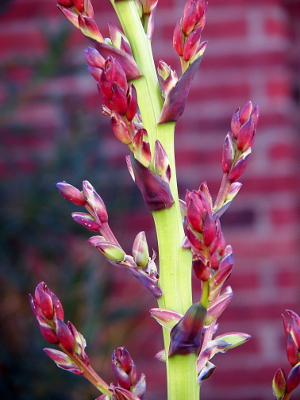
(239, 168)
(192, 44)
(161, 162)
(293, 379)
(166, 318)
(111, 251)
(63, 361)
(131, 102)
(201, 270)
(186, 335)
(95, 202)
(245, 135)
(178, 42)
(140, 250)
(71, 193)
(278, 384)
(209, 229)
(86, 220)
(89, 28)
(119, 128)
(94, 58)
(227, 153)
(65, 336)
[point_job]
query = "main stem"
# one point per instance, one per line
(174, 262)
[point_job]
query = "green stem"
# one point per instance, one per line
(174, 262)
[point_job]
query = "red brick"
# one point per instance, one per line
(283, 216)
(282, 151)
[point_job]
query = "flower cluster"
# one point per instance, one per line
(187, 33)
(140, 265)
(193, 333)
(284, 386)
(73, 358)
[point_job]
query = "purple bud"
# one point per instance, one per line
(140, 387)
(94, 58)
(71, 193)
(186, 335)
(293, 379)
(155, 191)
(124, 368)
(291, 351)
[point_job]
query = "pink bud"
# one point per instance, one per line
(167, 77)
(71, 193)
(239, 168)
(164, 317)
(161, 162)
(94, 58)
(63, 361)
(47, 331)
(66, 3)
(192, 44)
(140, 250)
(118, 101)
(246, 112)
(44, 301)
(227, 153)
(65, 336)
(89, 28)
(209, 229)
(235, 122)
(190, 18)
(245, 135)
(201, 271)
(131, 103)
(178, 43)
(217, 306)
(119, 128)
(95, 202)
(194, 212)
(86, 220)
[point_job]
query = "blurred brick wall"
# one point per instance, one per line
(253, 54)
